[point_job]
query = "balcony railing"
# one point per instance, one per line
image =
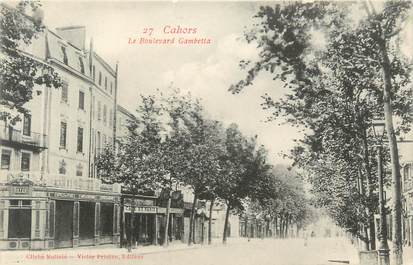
(36, 177)
(59, 181)
(13, 136)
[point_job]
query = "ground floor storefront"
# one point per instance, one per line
(40, 217)
(408, 219)
(143, 222)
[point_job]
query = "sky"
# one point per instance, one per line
(207, 71)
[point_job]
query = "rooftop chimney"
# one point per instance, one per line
(75, 35)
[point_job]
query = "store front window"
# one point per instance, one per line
(20, 219)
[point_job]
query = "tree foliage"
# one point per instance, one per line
(19, 72)
(334, 93)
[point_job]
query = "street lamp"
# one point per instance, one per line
(378, 127)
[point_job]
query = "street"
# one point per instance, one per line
(238, 251)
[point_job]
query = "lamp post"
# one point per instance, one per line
(379, 130)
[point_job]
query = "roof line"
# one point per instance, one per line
(68, 42)
(104, 63)
(72, 27)
(127, 112)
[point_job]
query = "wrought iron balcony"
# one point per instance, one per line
(36, 177)
(13, 137)
(81, 183)
(59, 181)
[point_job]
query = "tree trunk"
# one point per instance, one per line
(202, 227)
(281, 226)
(370, 208)
(191, 222)
(165, 236)
(132, 229)
(210, 222)
(122, 226)
(286, 225)
(394, 156)
(224, 237)
(363, 227)
(194, 227)
(276, 226)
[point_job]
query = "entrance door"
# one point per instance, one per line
(20, 222)
(64, 224)
(87, 223)
(106, 222)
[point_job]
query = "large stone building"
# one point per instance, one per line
(50, 193)
(406, 158)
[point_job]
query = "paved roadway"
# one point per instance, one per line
(241, 252)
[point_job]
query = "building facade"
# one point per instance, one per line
(406, 158)
(50, 193)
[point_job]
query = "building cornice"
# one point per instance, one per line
(105, 64)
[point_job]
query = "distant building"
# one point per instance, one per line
(123, 116)
(50, 193)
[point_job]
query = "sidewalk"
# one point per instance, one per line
(28, 256)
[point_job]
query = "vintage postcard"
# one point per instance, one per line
(206, 132)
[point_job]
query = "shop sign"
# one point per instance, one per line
(139, 202)
(87, 196)
(106, 198)
(62, 195)
(143, 202)
(141, 209)
(20, 190)
(171, 210)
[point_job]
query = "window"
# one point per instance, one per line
(25, 165)
(81, 100)
(99, 110)
(81, 65)
(63, 134)
(80, 139)
(106, 83)
(93, 139)
(5, 159)
(104, 114)
(100, 79)
(64, 92)
(98, 142)
(94, 73)
(110, 118)
(62, 167)
(79, 170)
(407, 172)
(20, 221)
(93, 108)
(65, 61)
(111, 87)
(27, 124)
(26, 202)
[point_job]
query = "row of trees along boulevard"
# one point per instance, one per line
(343, 67)
(172, 143)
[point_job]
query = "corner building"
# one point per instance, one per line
(50, 193)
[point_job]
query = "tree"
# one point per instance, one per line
(20, 73)
(347, 68)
